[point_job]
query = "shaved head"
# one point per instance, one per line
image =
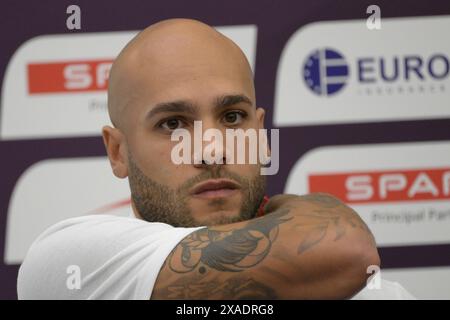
(170, 75)
(170, 45)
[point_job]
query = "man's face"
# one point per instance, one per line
(172, 94)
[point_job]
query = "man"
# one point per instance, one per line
(196, 235)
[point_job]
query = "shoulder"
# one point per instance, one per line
(111, 253)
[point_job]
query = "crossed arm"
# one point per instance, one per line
(305, 247)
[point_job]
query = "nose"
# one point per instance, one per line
(212, 149)
(203, 162)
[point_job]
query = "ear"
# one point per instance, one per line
(260, 115)
(116, 149)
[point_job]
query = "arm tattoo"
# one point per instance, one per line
(334, 214)
(234, 288)
(228, 250)
(231, 251)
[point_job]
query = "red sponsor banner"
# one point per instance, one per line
(70, 76)
(384, 186)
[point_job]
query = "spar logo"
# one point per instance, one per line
(69, 76)
(385, 186)
(325, 71)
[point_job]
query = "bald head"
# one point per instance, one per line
(162, 62)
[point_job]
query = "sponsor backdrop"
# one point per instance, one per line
(363, 114)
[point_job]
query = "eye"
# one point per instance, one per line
(234, 117)
(172, 124)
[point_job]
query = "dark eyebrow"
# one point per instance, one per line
(231, 99)
(174, 106)
(187, 107)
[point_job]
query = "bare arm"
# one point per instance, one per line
(305, 247)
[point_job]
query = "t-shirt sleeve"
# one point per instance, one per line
(97, 257)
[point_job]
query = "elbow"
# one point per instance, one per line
(372, 257)
(362, 260)
(339, 272)
(352, 264)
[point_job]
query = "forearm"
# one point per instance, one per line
(327, 242)
(305, 248)
(321, 211)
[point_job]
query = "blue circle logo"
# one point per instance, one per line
(325, 72)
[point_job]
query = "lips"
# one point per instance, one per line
(215, 188)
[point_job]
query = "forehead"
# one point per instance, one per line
(174, 69)
(197, 81)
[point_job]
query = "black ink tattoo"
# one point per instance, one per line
(228, 250)
(200, 255)
(234, 288)
(335, 214)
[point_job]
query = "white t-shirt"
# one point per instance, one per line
(388, 291)
(115, 258)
